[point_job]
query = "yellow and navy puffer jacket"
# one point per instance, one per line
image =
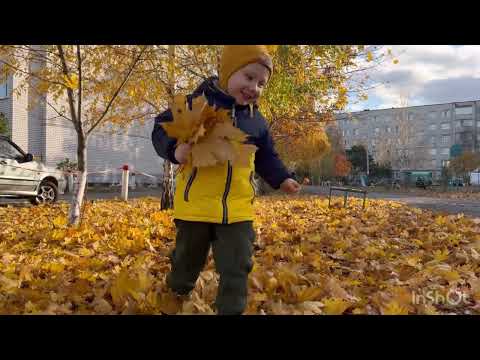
(222, 194)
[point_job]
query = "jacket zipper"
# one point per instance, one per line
(189, 183)
(253, 186)
(225, 194)
(229, 177)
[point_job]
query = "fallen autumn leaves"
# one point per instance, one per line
(309, 259)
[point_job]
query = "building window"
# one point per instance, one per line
(446, 113)
(458, 123)
(445, 139)
(397, 129)
(445, 163)
(432, 127)
(3, 90)
(377, 131)
(445, 126)
(432, 115)
(389, 129)
(375, 118)
(445, 151)
(467, 122)
(463, 110)
(355, 132)
(411, 116)
(432, 140)
(478, 137)
(433, 152)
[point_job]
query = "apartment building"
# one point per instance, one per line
(416, 137)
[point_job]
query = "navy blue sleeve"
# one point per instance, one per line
(267, 163)
(163, 144)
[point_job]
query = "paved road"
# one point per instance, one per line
(91, 195)
(451, 206)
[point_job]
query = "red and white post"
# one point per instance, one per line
(125, 175)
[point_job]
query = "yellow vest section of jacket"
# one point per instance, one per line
(220, 194)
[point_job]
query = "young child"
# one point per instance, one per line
(213, 206)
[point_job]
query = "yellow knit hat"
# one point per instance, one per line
(234, 57)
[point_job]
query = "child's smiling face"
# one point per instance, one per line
(246, 85)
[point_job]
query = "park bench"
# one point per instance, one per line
(346, 191)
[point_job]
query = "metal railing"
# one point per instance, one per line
(346, 191)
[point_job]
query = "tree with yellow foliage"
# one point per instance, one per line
(86, 86)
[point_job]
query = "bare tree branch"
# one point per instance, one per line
(66, 72)
(30, 74)
(132, 66)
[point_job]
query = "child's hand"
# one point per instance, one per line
(290, 186)
(182, 152)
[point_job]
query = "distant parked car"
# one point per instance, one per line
(422, 182)
(22, 177)
(457, 182)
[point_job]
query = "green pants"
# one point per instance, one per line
(232, 247)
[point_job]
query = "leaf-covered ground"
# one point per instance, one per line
(309, 259)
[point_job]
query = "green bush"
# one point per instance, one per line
(3, 125)
(67, 165)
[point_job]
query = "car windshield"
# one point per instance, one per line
(8, 151)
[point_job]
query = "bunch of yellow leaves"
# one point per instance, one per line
(210, 131)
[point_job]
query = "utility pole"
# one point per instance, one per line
(368, 162)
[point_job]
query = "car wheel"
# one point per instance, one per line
(47, 194)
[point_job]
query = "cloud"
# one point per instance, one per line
(449, 90)
(427, 74)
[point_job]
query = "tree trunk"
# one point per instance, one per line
(168, 186)
(168, 174)
(75, 213)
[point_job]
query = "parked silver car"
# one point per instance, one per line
(22, 177)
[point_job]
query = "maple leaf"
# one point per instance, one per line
(309, 294)
(227, 131)
(60, 221)
(313, 307)
(222, 145)
(71, 81)
(393, 308)
(126, 285)
(186, 122)
(203, 154)
(243, 154)
(441, 255)
(335, 306)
